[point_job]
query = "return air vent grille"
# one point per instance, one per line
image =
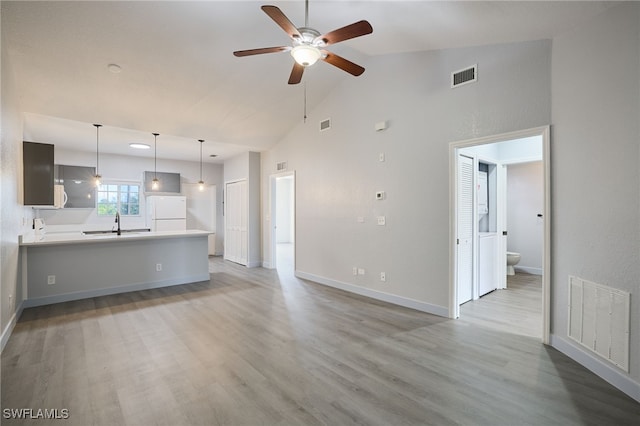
(281, 166)
(599, 320)
(465, 76)
(325, 124)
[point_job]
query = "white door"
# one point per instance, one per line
(236, 219)
(487, 277)
(465, 229)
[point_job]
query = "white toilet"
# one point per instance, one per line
(512, 259)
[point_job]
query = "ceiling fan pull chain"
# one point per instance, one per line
(305, 101)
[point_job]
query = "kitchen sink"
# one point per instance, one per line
(122, 231)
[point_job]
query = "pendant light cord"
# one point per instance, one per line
(155, 155)
(98, 148)
(201, 142)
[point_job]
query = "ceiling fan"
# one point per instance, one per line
(309, 45)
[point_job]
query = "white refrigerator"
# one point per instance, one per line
(167, 213)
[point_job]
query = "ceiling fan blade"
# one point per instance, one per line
(281, 19)
(250, 52)
(354, 30)
(342, 63)
(296, 73)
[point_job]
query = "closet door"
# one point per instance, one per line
(236, 240)
(465, 229)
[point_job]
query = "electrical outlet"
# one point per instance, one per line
(355, 270)
(381, 157)
(382, 220)
(51, 279)
(383, 276)
(360, 219)
(158, 267)
(10, 301)
(360, 271)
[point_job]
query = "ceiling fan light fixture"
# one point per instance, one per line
(306, 55)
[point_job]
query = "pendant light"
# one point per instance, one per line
(97, 177)
(201, 182)
(155, 183)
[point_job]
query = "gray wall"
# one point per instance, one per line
(12, 213)
(525, 200)
(338, 172)
(595, 154)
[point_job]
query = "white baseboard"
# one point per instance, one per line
(598, 366)
(6, 333)
(529, 269)
(67, 297)
(378, 295)
(267, 265)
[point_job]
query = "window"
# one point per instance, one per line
(123, 198)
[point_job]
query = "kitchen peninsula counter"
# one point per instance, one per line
(79, 238)
(71, 266)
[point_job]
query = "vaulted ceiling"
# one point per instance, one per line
(178, 76)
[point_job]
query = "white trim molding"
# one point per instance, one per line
(6, 333)
(377, 295)
(598, 366)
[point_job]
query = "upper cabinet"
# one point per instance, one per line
(38, 174)
(79, 187)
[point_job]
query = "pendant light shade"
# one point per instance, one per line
(97, 177)
(201, 182)
(155, 183)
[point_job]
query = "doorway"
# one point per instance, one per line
(282, 187)
(466, 213)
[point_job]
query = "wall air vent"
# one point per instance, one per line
(465, 76)
(281, 166)
(325, 124)
(599, 318)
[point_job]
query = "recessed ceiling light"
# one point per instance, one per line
(114, 68)
(139, 145)
(213, 155)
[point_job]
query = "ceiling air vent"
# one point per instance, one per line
(325, 124)
(281, 166)
(467, 75)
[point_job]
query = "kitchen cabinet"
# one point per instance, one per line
(38, 174)
(78, 184)
(169, 182)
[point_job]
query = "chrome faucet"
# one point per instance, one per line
(118, 222)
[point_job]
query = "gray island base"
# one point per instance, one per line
(71, 267)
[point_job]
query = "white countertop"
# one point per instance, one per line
(79, 238)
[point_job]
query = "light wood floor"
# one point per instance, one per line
(518, 309)
(260, 347)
